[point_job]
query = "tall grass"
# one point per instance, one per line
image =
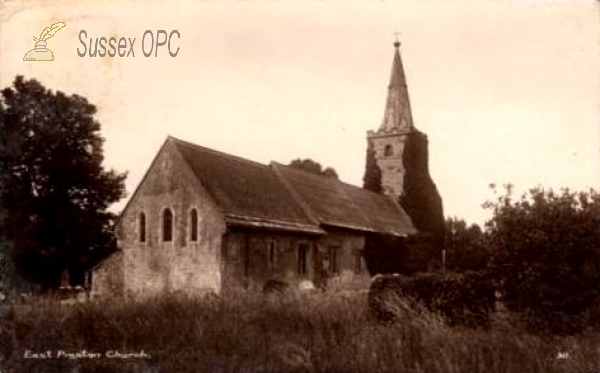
(245, 332)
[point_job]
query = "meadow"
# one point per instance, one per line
(252, 332)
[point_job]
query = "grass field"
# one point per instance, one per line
(246, 332)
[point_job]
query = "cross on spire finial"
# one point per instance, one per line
(396, 42)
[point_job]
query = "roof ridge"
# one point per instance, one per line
(218, 152)
(328, 178)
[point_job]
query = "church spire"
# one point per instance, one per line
(397, 116)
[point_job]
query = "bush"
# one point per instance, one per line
(462, 299)
(546, 257)
(387, 254)
(466, 249)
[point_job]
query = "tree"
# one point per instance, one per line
(547, 255)
(330, 172)
(372, 177)
(465, 246)
(308, 165)
(420, 197)
(54, 190)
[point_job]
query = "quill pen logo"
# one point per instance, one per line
(40, 52)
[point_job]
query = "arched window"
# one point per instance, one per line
(193, 225)
(167, 225)
(142, 226)
(388, 150)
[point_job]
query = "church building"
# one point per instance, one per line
(202, 220)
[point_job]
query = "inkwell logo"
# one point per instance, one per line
(40, 53)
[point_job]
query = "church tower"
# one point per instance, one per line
(387, 143)
(397, 160)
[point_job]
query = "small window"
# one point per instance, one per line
(193, 225)
(302, 259)
(272, 253)
(142, 226)
(358, 262)
(333, 259)
(167, 225)
(388, 150)
(246, 254)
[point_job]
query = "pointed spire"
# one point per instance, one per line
(397, 116)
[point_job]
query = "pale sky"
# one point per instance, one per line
(507, 91)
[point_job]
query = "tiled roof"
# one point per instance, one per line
(280, 197)
(338, 204)
(247, 192)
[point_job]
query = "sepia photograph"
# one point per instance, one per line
(284, 186)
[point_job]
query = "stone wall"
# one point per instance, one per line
(182, 265)
(108, 277)
(350, 267)
(251, 258)
(390, 165)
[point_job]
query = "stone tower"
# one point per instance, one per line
(389, 140)
(397, 160)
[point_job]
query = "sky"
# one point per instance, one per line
(506, 91)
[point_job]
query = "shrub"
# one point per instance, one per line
(387, 254)
(547, 255)
(463, 299)
(465, 246)
(275, 286)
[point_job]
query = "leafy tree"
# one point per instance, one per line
(54, 190)
(372, 177)
(330, 172)
(420, 197)
(465, 246)
(308, 165)
(547, 255)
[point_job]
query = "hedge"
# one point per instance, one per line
(462, 299)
